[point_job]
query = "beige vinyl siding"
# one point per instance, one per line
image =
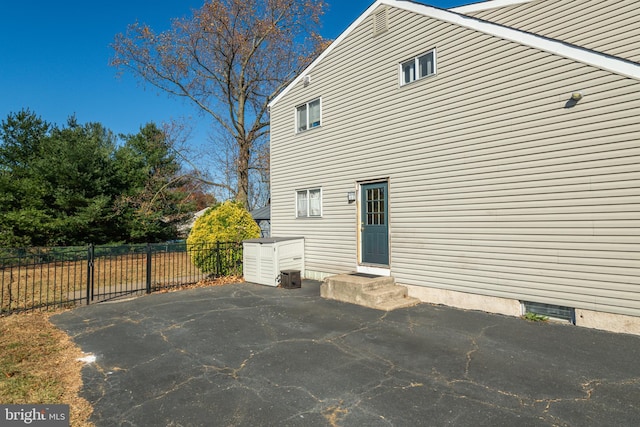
(497, 185)
(608, 26)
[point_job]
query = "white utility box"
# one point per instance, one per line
(265, 258)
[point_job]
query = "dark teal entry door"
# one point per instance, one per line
(375, 224)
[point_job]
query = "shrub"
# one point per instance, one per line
(227, 222)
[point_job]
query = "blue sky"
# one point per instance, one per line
(54, 59)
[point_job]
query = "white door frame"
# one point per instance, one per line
(365, 268)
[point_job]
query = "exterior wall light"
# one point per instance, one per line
(351, 196)
(576, 96)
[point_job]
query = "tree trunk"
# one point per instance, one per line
(243, 173)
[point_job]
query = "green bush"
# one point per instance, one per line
(533, 317)
(228, 222)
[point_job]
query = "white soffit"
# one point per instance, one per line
(486, 5)
(589, 57)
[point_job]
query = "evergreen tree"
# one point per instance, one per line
(76, 184)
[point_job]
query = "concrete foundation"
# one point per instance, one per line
(511, 307)
(316, 275)
(466, 301)
(608, 321)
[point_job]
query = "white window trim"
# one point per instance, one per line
(295, 116)
(308, 190)
(415, 59)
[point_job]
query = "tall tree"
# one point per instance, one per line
(79, 184)
(229, 58)
(22, 134)
(54, 182)
(21, 215)
(75, 168)
(153, 199)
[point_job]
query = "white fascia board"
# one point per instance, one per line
(486, 5)
(326, 52)
(589, 57)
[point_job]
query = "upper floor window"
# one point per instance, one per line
(309, 203)
(308, 115)
(418, 67)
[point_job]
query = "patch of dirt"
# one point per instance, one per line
(221, 281)
(333, 414)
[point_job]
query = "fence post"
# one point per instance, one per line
(90, 254)
(148, 268)
(218, 260)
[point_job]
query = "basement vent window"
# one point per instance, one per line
(555, 312)
(380, 22)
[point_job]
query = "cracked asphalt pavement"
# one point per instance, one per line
(251, 355)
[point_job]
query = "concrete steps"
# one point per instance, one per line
(377, 292)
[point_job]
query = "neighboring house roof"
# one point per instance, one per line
(189, 224)
(576, 53)
(261, 214)
(200, 213)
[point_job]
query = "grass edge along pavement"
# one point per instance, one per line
(39, 363)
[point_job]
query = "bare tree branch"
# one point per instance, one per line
(229, 59)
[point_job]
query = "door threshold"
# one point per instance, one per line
(378, 271)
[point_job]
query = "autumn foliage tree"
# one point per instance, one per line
(230, 58)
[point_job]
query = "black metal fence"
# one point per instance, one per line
(40, 278)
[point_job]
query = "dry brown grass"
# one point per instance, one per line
(38, 365)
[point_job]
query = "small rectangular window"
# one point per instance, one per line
(314, 202)
(408, 71)
(302, 202)
(308, 116)
(302, 118)
(418, 68)
(309, 203)
(425, 65)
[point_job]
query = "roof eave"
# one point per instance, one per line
(326, 52)
(576, 53)
(486, 5)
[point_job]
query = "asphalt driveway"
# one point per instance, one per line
(251, 355)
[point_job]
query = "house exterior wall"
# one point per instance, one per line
(498, 185)
(609, 26)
